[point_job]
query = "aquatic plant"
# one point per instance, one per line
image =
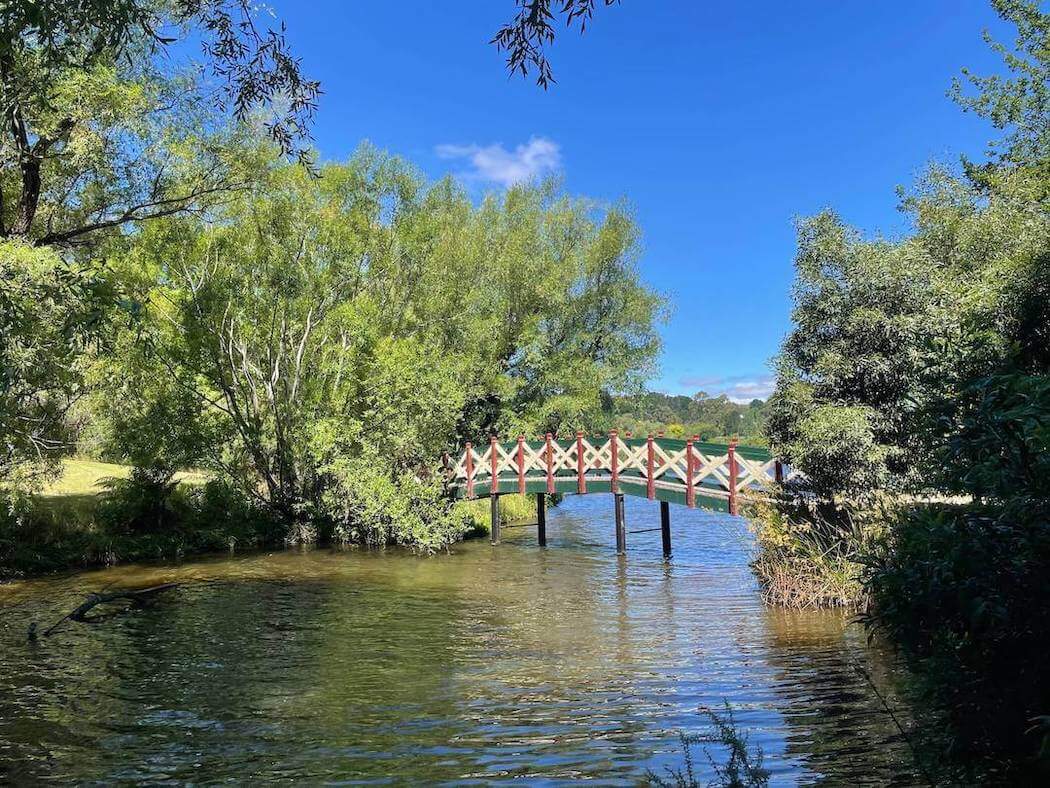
(742, 769)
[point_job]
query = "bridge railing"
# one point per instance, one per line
(681, 471)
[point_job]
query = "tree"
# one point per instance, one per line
(338, 334)
(846, 371)
(712, 418)
(97, 135)
(49, 313)
(1020, 103)
(892, 340)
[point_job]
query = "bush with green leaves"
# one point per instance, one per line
(144, 517)
(50, 310)
(963, 591)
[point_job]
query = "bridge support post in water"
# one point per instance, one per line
(665, 527)
(541, 519)
(621, 524)
(494, 511)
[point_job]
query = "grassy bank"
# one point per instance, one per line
(809, 557)
(512, 508)
(98, 514)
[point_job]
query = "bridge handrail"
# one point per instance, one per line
(662, 465)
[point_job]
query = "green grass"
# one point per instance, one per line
(512, 508)
(86, 478)
(64, 526)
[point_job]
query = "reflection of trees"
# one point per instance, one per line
(554, 691)
(558, 663)
(837, 725)
(337, 667)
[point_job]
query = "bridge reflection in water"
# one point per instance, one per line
(688, 472)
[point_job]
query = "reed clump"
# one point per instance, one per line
(811, 554)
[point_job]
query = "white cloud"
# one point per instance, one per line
(496, 164)
(739, 388)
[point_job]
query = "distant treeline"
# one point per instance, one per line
(678, 416)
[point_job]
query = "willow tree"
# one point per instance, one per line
(345, 330)
(100, 134)
(97, 124)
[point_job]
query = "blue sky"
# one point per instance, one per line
(719, 123)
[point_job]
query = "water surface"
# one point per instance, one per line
(489, 663)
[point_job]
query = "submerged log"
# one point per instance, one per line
(135, 596)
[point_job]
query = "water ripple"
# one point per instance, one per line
(545, 665)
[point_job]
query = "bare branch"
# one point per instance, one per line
(137, 213)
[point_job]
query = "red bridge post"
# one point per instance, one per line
(690, 489)
(621, 524)
(521, 465)
(494, 492)
(650, 487)
(581, 481)
(732, 477)
(470, 469)
(550, 466)
(494, 463)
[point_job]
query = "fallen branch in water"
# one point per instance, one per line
(80, 613)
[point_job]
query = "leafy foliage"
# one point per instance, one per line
(963, 590)
(43, 43)
(1019, 103)
(742, 769)
(143, 519)
(810, 551)
(526, 37)
(49, 310)
(326, 340)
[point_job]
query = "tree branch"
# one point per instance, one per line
(137, 213)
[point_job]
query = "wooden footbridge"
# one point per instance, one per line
(687, 472)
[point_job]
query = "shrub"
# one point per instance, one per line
(365, 503)
(963, 590)
(141, 503)
(141, 518)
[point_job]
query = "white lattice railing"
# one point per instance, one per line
(654, 467)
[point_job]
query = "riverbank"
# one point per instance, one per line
(93, 516)
(958, 587)
(809, 557)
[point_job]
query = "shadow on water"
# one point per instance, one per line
(506, 661)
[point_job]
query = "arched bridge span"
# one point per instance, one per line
(688, 472)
